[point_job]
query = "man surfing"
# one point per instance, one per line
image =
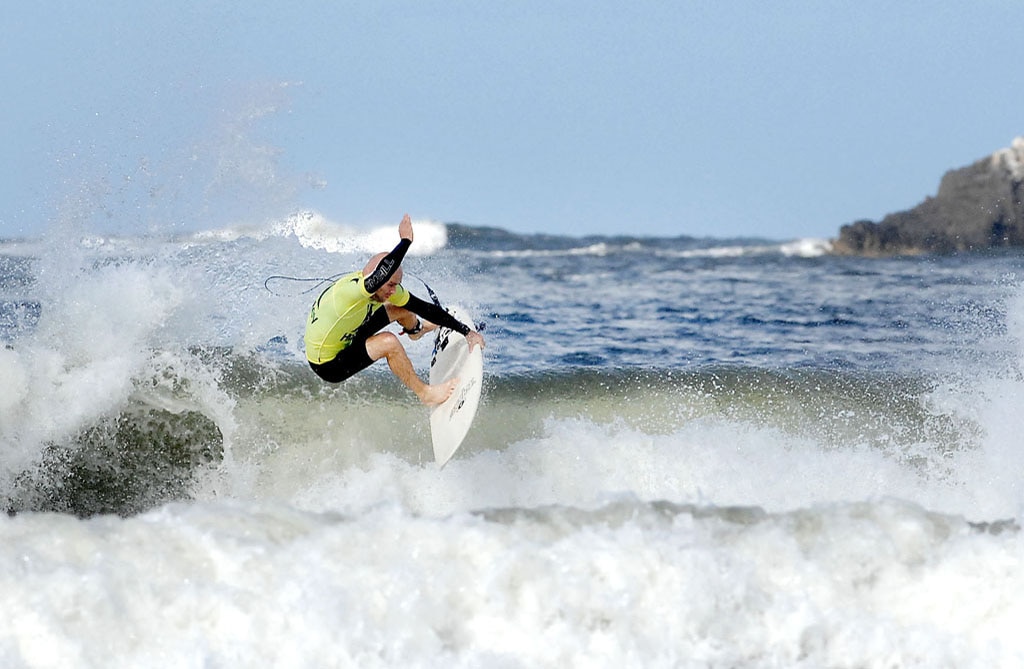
(343, 329)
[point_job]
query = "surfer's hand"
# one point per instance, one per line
(475, 339)
(425, 327)
(405, 228)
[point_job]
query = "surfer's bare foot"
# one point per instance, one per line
(438, 393)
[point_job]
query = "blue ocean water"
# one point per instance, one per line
(690, 453)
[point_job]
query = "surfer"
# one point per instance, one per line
(343, 329)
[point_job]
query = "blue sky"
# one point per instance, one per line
(772, 119)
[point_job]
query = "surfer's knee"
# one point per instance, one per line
(383, 345)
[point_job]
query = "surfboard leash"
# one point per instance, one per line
(430, 291)
(318, 282)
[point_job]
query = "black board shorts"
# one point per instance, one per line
(349, 362)
(353, 358)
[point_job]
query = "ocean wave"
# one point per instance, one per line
(315, 231)
(803, 248)
(807, 247)
(124, 464)
(172, 406)
(108, 435)
(496, 243)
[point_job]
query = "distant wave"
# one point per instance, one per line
(315, 231)
(799, 248)
(807, 248)
(496, 242)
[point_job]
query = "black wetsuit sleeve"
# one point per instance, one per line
(435, 314)
(386, 268)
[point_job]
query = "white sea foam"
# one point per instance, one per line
(106, 334)
(871, 585)
(582, 463)
(803, 248)
(807, 248)
(315, 231)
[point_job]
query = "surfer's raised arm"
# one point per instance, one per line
(382, 267)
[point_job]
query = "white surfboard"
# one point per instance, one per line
(449, 422)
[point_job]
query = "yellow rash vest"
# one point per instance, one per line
(338, 313)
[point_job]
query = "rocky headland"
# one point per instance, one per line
(977, 207)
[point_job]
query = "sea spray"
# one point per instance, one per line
(995, 469)
(98, 389)
(871, 584)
